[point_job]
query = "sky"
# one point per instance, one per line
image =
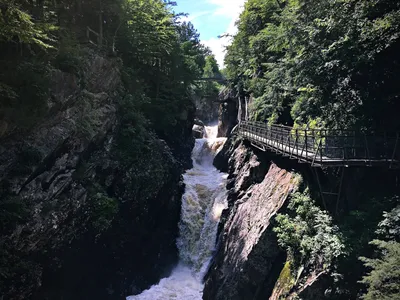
(212, 18)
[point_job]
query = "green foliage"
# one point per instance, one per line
(209, 89)
(69, 57)
(133, 137)
(383, 279)
(7, 92)
(330, 59)
(103, 210)
(161, 56)
(18, 24)
(389, 227)
(23, 100)
(307, 233)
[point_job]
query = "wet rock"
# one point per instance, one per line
(228, 111)
(227, 117)
(206, 108)
(198, 131)
(198, 122)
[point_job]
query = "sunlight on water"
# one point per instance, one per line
(202, 205)
(217, 211)
(182, 284)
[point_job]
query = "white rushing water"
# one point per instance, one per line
(202, 204)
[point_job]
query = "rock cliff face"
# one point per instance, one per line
(228, 111)
(227, 119)
(248, 260)
(78, 222)
(206, 109)
(250, 263)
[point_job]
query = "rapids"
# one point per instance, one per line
(202, 204)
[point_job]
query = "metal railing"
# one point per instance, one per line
(325, 146)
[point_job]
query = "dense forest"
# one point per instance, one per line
(161, 56)
(328, 64)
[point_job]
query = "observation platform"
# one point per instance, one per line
(325, 147)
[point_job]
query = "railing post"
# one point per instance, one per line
(323, 138)
(313, 138)
(305, 137)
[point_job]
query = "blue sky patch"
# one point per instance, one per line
(212, 18)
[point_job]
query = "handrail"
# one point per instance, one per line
(325, 146)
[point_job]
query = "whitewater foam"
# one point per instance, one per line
(202, 204)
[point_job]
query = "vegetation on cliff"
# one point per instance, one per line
(161, 56)
(313, 242)
(383, 279)
(330, 60)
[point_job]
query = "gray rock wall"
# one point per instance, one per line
(77, 222)
(227, 117)
(206, 109)
(248, 259)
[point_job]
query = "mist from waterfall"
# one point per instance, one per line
(202, 204)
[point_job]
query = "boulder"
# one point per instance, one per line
(198, 131)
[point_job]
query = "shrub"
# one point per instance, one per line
(102, 212)
(307, 233)
(68, 58)
(383, 280)
(389, 227)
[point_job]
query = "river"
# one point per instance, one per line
(202, 204)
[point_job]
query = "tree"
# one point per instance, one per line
(18, 26)
(332, 60)
(383, 279)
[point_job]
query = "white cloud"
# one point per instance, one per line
(192, 17)
(229, 8)
(232, 10)
(217, 46)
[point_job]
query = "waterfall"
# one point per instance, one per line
(202, 204)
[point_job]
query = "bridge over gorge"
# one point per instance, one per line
(325, 147)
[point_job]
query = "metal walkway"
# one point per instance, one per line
(324, 147)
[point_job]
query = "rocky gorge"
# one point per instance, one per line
(88, 213)
(116, 181)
